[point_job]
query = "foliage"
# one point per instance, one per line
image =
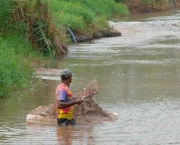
(15, 71)
(5, 6)
(72, 21)
(17, 57)
(122, 1)
(48, 33)
(43, 23)
(74, 8)
(38, 26)
(100, 23)
(82, 15)
(73, 15)
(107, 8)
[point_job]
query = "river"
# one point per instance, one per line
(138, 75)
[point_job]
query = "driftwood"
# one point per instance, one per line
(87, 112)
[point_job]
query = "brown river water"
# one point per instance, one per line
(138, 76)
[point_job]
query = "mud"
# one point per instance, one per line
(90, 112)
(87, 112)
(96, 35)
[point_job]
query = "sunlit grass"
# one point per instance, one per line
(86, 16)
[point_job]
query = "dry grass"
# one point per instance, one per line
(176, 3)
(138, 6)
(40, 28)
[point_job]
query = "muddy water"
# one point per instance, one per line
(139, 79)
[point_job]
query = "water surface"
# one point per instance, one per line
(138, 75)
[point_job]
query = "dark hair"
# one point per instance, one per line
(63, 79)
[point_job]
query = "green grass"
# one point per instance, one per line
(15, 69)
(84, 15)
(18, 19)
(5, 6)
(106, 8)
(71, 21)
(73, 15)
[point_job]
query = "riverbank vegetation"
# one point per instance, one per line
(32, 29)
(141, 6)
(86, 16)
(15, 67)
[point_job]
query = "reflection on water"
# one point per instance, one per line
(138, 76)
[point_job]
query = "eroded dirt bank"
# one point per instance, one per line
(96, 35)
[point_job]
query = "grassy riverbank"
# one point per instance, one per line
(85, 16)
(16, 67)
(32, 29)
(17, 56)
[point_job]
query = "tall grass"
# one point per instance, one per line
(16, 54)
(43, 23)
(38, 26)
(5, 6)
(107, 8)
(73, 14)
(15, 70)
(85, 16)
(48, 32)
